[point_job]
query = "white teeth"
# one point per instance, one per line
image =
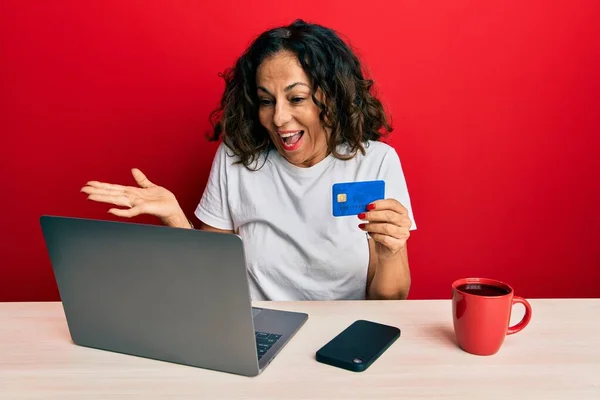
(285, 135)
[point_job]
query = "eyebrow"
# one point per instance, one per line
(287, 88)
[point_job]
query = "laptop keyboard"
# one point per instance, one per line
(264, 341)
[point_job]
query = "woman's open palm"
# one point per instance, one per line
(149, 198)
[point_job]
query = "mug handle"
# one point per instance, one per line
(526, 318)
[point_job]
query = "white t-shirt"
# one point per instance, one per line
(295, 248)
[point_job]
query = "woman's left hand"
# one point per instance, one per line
(388, 223)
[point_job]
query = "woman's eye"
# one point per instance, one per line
(297, 100)
(265, 102)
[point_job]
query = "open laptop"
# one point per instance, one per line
(176, 295)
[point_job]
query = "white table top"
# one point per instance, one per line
(556, 357)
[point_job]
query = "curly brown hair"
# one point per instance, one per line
(352, 113)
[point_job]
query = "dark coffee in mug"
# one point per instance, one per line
(480, 289)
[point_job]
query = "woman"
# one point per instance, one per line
(296, 117)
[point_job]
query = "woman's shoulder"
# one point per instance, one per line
(226, 157)
(378, 148)
(372, 148)
(376, 152)
(226, 153)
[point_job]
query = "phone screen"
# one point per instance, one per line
(358, 346)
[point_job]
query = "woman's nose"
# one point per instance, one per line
(281, 116)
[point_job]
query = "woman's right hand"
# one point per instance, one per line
(149, 198)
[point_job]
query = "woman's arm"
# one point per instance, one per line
(206, 227)
(389, 278)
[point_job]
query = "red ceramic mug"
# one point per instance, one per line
(481, 310)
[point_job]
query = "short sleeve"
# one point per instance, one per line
(395, 182)
(213, 208)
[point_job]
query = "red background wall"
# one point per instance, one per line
(495, 106)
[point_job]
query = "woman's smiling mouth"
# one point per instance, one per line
(290, 140)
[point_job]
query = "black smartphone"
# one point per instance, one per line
(358, 346)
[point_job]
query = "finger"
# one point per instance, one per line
(97, 190)
(104, 185)
(125, 213)
(141, 179)
(118, 200)
(391, 243)
(388, 204)
(384, 228)
(389, 216)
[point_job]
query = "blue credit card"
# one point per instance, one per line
(352, 198)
